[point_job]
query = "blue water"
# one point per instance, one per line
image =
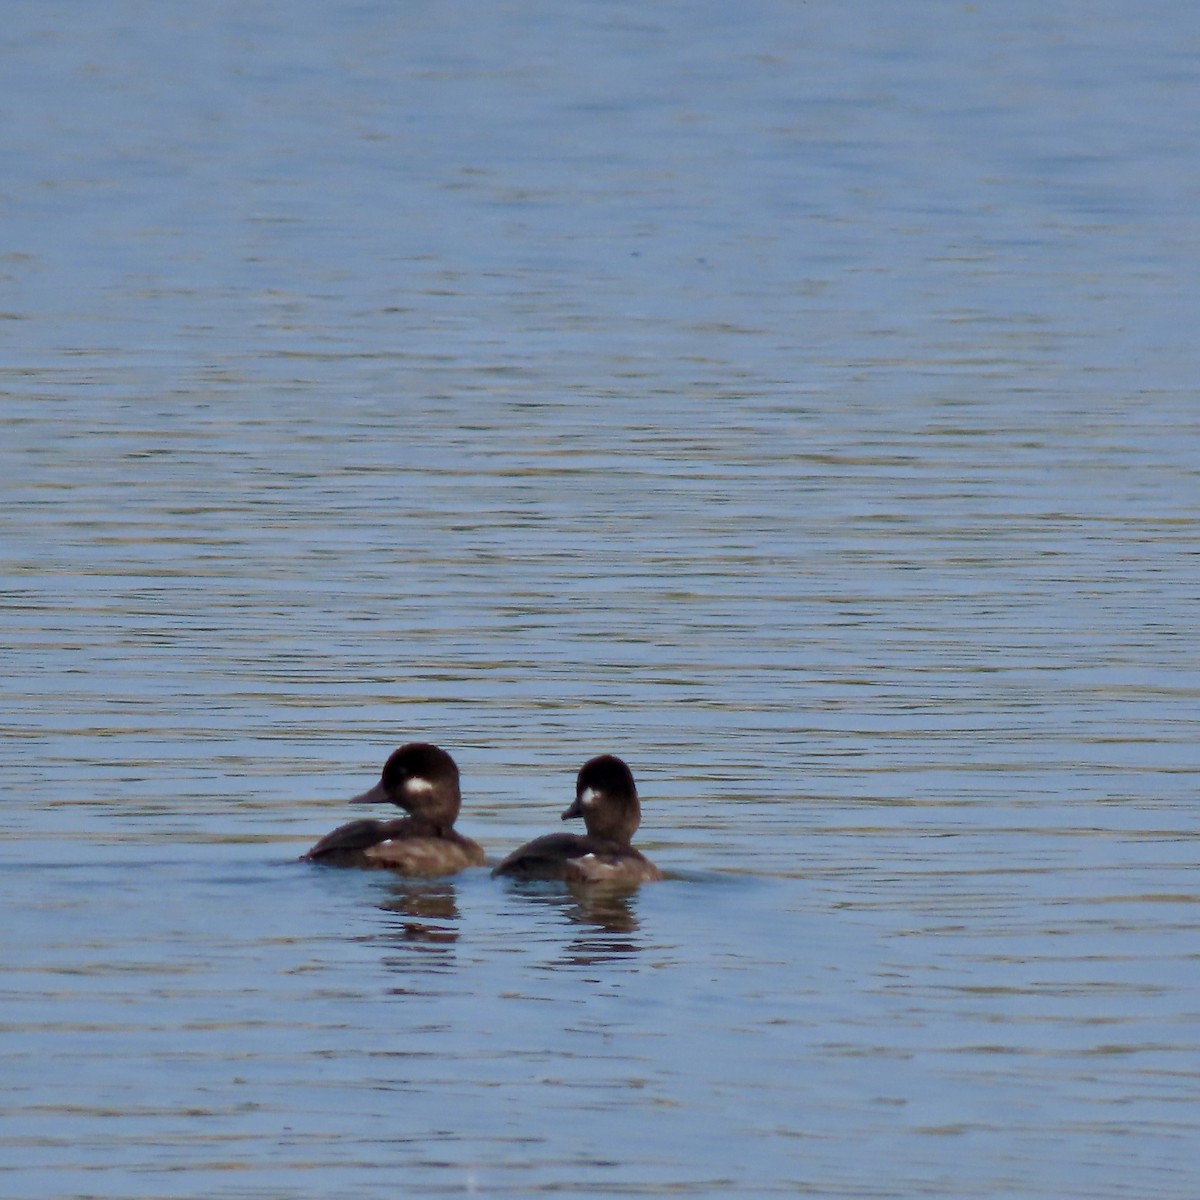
(798, 400)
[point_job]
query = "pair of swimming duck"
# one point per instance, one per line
(422, 779)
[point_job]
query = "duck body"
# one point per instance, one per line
(606, 798)
(422, 779)
(578, 859)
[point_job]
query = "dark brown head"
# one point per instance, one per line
(421, 779)
(607, 800)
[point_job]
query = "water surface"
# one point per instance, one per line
(797, 401)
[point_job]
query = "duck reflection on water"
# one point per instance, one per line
(600, 918)
(589, 923)
(427, 912)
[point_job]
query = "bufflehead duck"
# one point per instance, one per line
(607, 800)
(423, 780)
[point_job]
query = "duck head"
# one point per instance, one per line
(607, 800)
(422, 779)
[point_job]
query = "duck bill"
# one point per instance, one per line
(576, 810)
(375, 795)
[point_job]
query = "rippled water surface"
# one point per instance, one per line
(798, 400)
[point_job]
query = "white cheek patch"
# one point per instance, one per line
(589, 797)
(416, 786)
